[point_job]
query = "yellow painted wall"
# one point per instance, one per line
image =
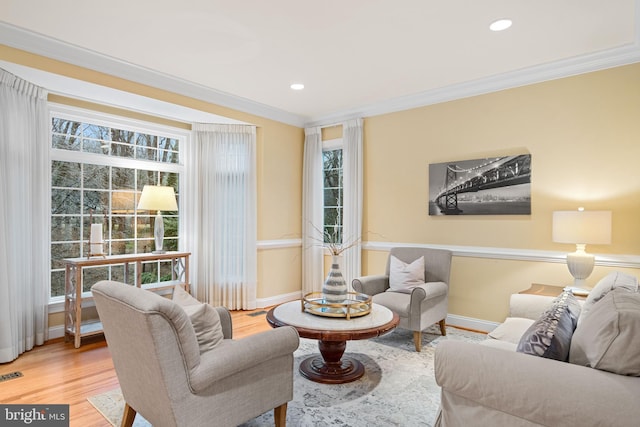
(583, 134)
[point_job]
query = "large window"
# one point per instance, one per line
(332, 177)
(98, 169)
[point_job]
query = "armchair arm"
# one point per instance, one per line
(539, 390)
(232, 357)
(371, 285)
(225, 322)
(429, 290)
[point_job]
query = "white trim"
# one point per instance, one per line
(471, 323)
(609, 260)
(279, 244)
(278, 299)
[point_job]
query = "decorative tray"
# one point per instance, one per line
(354, 305)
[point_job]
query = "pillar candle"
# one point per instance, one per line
(95, 239)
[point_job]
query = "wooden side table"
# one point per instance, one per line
(550, 290)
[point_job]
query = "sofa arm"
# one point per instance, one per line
(528, 306)
(371, 285)
(234, 356)
(539, 390)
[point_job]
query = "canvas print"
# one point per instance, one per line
(492, 186)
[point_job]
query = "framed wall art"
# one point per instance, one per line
(491, 186)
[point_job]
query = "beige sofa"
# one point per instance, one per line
(492, 384)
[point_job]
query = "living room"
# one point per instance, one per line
(579, 128)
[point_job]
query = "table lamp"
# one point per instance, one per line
(158, 198)
(581, 228)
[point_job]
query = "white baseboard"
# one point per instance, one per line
(278, 299)
(56, 332)
(471, 323)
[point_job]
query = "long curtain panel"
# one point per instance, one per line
(24, 216)
(222, 214)
(352, 171)
(312, 212)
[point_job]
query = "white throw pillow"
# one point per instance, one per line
(613, 280)
(204, 318)
(404, 277)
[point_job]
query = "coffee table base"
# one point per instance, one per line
(331, 367)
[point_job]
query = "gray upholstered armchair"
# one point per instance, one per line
(166, 377)
(426, 304)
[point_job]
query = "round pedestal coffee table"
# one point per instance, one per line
(332, 366)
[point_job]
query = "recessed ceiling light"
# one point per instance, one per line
(500, 24)
(297, 86)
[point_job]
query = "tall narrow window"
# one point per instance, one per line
(98, 169)
(332, 178)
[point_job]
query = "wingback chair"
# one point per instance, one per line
(426, 304)
(167, 379)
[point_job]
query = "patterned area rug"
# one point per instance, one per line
(397, 389)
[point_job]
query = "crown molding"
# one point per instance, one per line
(39, 44)
(616, 57)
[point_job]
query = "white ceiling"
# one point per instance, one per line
(355, 57)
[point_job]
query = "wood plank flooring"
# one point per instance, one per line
(59, 373)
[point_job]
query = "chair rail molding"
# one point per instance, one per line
(535, 255)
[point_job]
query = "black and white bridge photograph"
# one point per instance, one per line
(491, 186)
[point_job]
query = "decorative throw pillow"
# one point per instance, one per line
(608, 338)
(613, 280)
(204, 318)
(550, 335)
(403, 277)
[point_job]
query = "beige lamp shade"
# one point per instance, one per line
(586, 227)
(158, 198)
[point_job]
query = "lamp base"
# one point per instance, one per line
(580, 266)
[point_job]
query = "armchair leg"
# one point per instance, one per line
(417, 340)
(128, 416)
(280, 415)
(443, 329)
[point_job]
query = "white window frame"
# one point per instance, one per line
(330, 145)
(56, 303)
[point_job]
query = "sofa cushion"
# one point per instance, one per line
(550, 335)
(204, 319)
(613, 280)
(608, 338)
(403, 277)
(511, 330)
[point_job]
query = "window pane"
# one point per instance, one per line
(96, 177)
(65, 201)
(332, 165)
(121, 150)
(124, 178)
(122, 227)
(147, 177)
(65, 174)
(96, 200)
(59, 251)
(57, 283)
(64, 142)
(93, 275)
(149, 272)
(65, 228)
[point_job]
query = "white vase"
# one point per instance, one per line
(335, 287)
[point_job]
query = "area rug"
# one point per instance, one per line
(397, 389)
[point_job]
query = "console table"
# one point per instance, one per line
(74, 326)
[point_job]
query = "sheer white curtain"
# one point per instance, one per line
(352, 198)
(24, 216)
(312, 212)
(221, 225)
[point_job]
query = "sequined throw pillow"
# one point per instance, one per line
(550, 336)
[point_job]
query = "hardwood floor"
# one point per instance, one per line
(59, 373)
